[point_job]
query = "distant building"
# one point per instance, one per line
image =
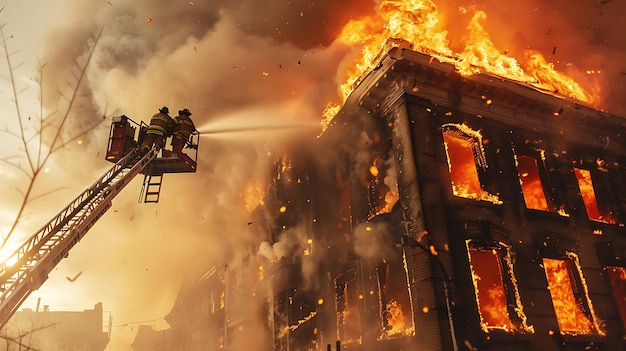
(437, 213)
(57, 330)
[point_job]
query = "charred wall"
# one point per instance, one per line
(532, 235)
(441, 212)
(526, 208)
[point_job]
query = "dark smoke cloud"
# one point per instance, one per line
(241, 63)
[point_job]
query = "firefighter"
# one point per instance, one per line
(159, 129)
(182, 130)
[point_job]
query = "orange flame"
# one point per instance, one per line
(569, 309)
(397, 323)
(416, 24)
(383, 179)
(348, 315)
(283, 168)
(585, 184)
(391, 198)
(532, 189)
(462, 164)
(491, 298)
(414, 21)
(300, 322)
(254, 195)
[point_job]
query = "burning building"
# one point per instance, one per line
(497, 210)
(448, 212)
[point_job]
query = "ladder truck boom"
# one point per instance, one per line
(35, 259)
(28, 267)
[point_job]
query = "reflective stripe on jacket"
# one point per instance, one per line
(184, 127)
(160, 124)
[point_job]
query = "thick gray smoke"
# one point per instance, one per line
(249, 62)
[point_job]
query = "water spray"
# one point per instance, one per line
(251, 129)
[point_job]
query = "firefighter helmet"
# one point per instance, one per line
(164, 109)
(185, 111)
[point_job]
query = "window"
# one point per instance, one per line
(570, 297)
(534, 181)
(596, 197)
(532, 189)
(394, 302)
(347, 307)
(617, 277)
(497, 297)
(466, 158)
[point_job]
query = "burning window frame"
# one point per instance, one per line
(294, 325)
(389, 306)
(617, 279)
(607, 208)
(464, 132)
(579, 291)
(553, 203)
(347, 308)
(517, 320)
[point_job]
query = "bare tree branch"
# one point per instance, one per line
(17, 340)
(16, 166)
(15, 99)
(38, 157)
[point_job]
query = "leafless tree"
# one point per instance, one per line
(38, 136)
(24, 339)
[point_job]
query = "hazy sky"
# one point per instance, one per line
(232, 63)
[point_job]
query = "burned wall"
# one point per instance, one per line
(515, 199)
(455, 213)
(557, 225)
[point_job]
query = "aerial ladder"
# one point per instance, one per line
(28, 267)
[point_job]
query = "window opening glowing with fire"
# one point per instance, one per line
(595, 198)
(347, 307)
(617, 277)
(466, 157)
(531, 171)
(495, 286)
(394, 301)
(570, 296)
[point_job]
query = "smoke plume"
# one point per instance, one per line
(252, 62)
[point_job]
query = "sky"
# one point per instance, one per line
(233, 63)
